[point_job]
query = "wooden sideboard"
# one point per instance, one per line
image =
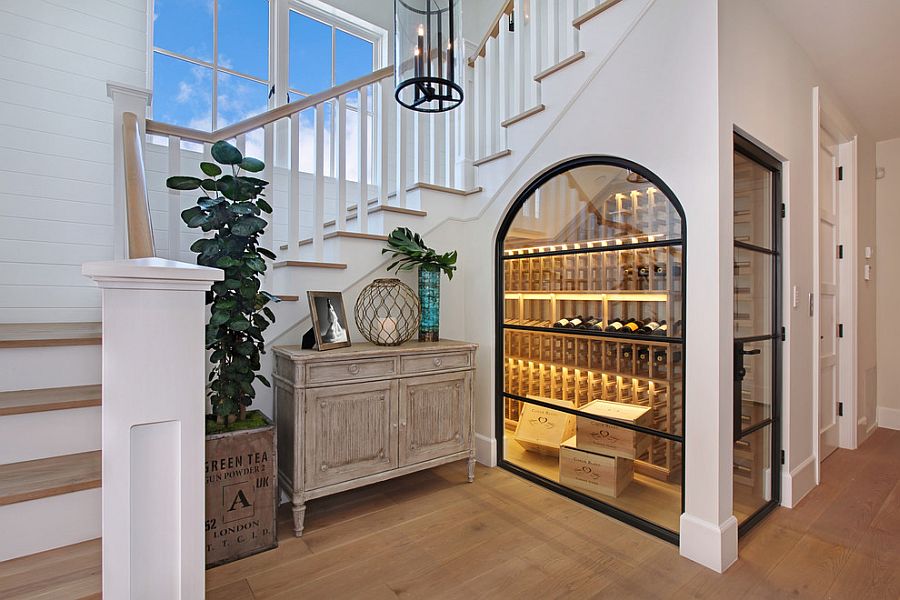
(353, 416)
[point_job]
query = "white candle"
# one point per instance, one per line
(387, 333)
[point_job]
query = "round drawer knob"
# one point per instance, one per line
(354, 369)
(323, 404)
(438, 362)
(324, 467)
(381, 454)
(413, 447)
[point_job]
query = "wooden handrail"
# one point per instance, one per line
(137, 207)
(270, 116)
(494, 31)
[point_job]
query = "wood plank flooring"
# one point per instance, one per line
(33, 479)
(431, 535)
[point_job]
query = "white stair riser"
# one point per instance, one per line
(47, 523)
(56, 366)
(52, 433)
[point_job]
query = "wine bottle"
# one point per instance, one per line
(615, 325)
(575, 322)
(590, 323)
(659, 269)
(662, 330)
(564, 322)
(627, 351)
(659, 357)
(651, 327)
(632, 325)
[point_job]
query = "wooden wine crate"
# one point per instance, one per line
(541, 429)
(593, 473)
(595, 436)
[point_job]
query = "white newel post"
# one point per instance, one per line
(154, 406)
(135, 100)
(466, 147)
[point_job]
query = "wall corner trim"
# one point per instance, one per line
(713, 546)
(486, 450)
(798, 482)
(888, 418)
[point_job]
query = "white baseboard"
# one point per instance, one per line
(713, 546)
(486, 450)
(798, 482)
(888, 418)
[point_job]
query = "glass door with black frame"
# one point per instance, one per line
(757, 332)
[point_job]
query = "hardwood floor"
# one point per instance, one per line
(431, 535)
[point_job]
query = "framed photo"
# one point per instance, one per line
(329, 320)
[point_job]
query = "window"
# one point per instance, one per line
(210, 61)
(211, 66)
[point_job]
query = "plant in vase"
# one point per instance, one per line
(231, 206)
(409, 251)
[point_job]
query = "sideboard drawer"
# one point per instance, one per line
(328, 372)
(434, 362)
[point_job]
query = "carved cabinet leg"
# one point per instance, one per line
(299, 516)
(470, 468)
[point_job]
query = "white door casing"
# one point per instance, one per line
(829, 286)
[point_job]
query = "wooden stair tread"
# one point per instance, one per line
(288, 297)
(315, 264)
(600, 8)
(523, 115)
(490, 157)
(40, 400)
(559, 66)
(32, 335)
(33, 479)
(67, 573)
(343, 234)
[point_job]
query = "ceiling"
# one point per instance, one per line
(855, 44)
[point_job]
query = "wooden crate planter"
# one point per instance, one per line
(241, 494)
(593, 473)
(610, 440)
(543, 429)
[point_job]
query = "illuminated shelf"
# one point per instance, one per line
(591, 295)
(637, 337)
(597, 371)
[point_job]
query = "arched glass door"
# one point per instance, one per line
(590, 340)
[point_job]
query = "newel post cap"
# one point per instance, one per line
(152, 272)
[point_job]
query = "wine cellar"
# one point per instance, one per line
(591, 294)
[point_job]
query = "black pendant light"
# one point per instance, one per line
(427, 54)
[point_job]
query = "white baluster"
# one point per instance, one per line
(451, 122)
(362, 209)
(520, 56)
(420, 145)
(402, 153)
(342, 163)
(174, 199)
(294, 191)
(571, 33)
(435, 133)
(319, 195)
(552, 34)
(479, 92)
(384, 121)
(504, 73)
(491, 79)
(268, 174)
(240, 142)
(535, 23)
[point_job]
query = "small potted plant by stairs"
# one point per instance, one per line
(241, 472)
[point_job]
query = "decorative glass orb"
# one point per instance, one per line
(387, 312)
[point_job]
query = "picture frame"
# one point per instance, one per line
(329, 320)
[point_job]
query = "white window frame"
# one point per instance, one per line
(214, 66)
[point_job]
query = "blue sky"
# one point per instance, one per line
(182, 91)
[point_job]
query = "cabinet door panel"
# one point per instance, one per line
(350, 432)
(435, 416)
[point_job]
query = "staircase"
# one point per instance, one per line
(432, 173)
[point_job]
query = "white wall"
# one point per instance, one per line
(56, 148)
(766, 83)
(886, 269)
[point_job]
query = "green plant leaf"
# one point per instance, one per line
(210, 169)
(179, 182)
(252, 165)
(232, 284)
(264, 206)
(210, 185)
(226, 154)
(264, 381)
(189, 214)
(239, 323)
(267, 253)
(247, 226)
(243, 208)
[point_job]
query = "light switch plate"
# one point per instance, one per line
(795, 297)
(867, 272)
(868, 251)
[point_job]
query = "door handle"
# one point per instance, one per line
(812, 304)
(752, 352)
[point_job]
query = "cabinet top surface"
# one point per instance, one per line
(357, 350)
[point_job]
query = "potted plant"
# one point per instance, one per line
(240, 444)
(409, 250)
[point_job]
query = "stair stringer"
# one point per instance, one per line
(448, 223)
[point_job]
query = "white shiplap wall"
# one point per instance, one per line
(56, 157)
